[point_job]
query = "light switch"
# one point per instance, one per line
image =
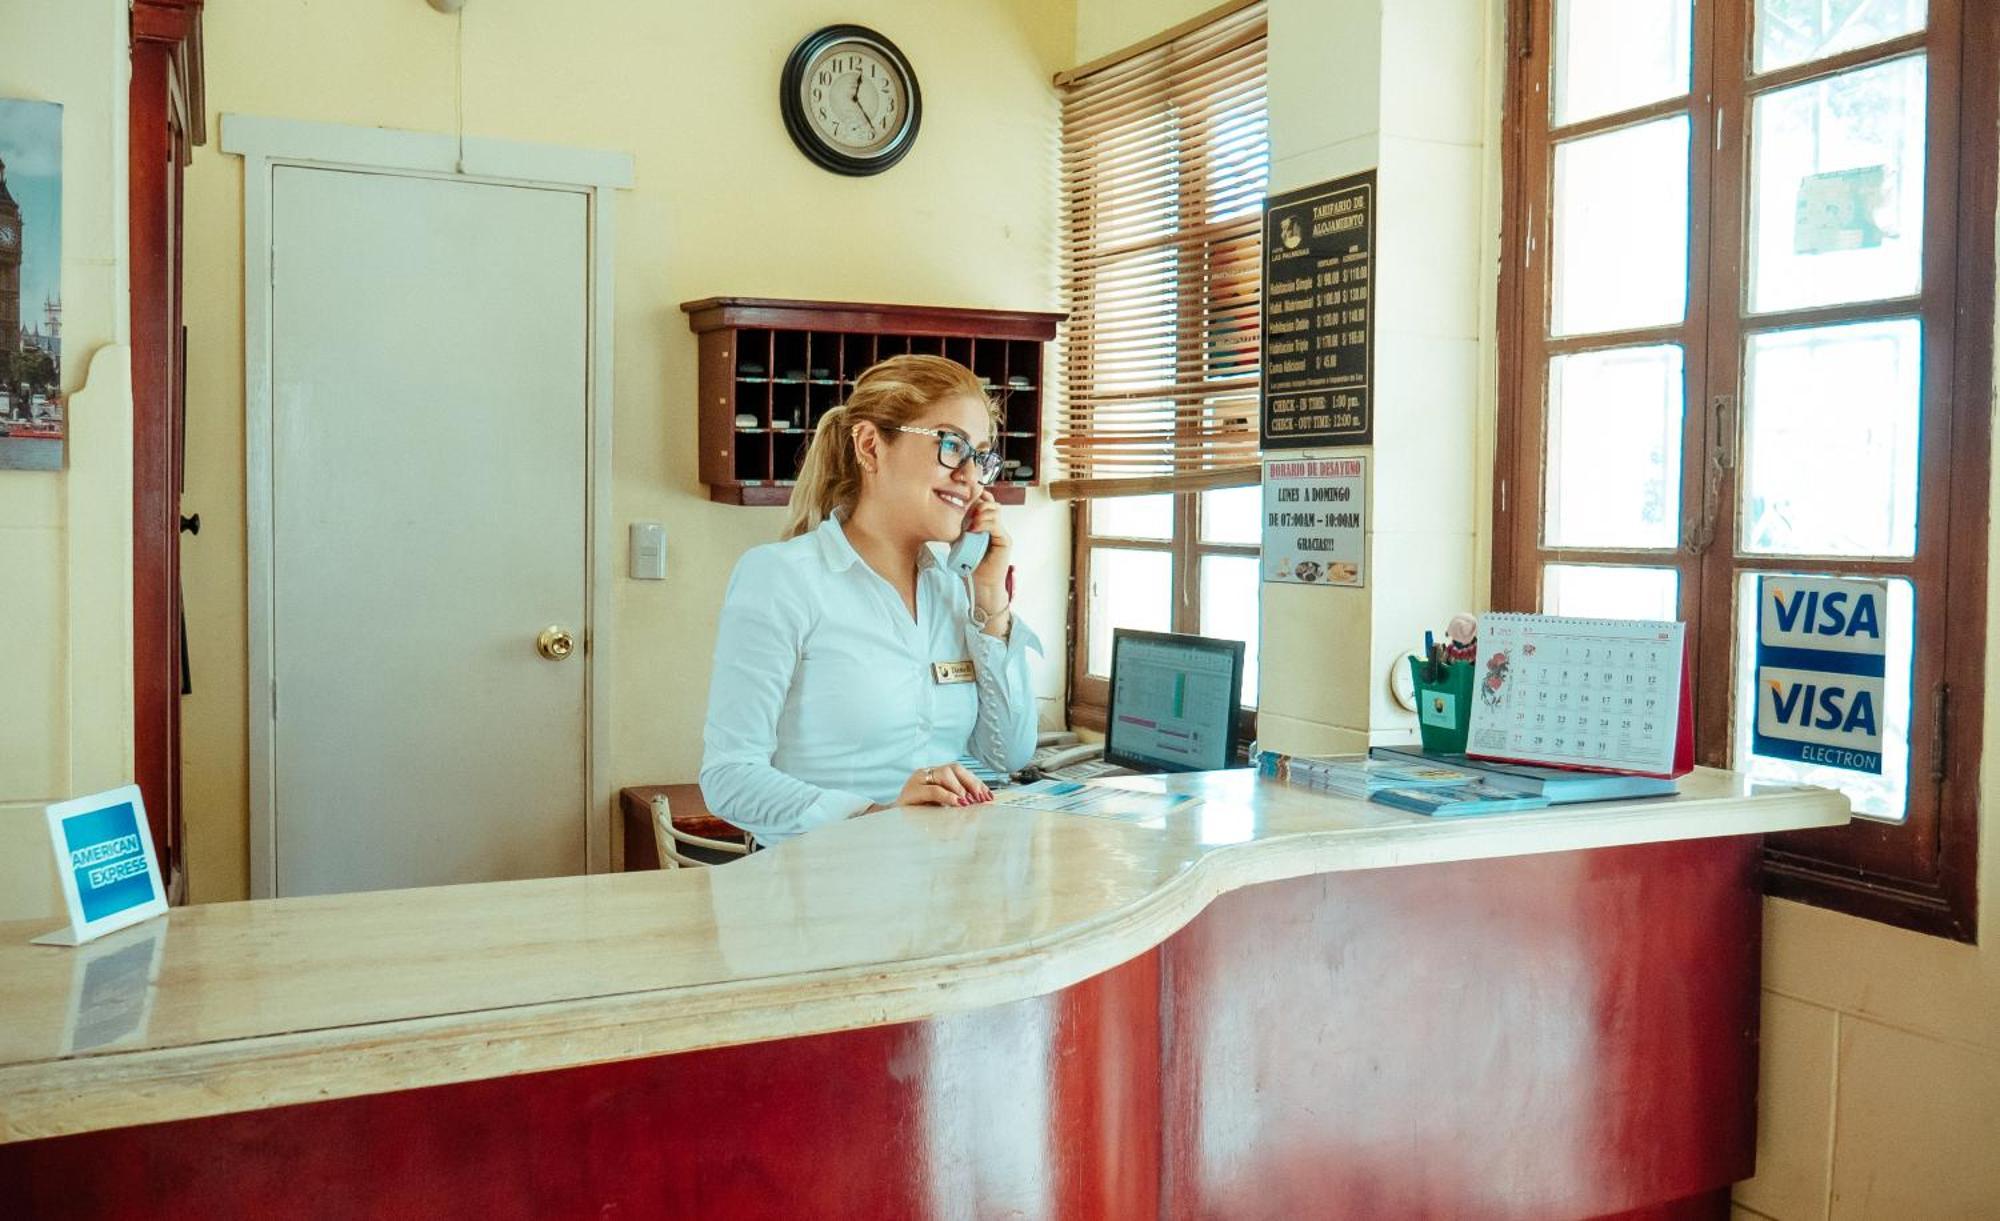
(649, 551)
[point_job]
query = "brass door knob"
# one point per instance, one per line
(555, 643)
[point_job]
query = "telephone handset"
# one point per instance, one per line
(967, 552)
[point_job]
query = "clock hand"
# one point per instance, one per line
(861, 106)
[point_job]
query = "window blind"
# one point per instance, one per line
(1165, 162)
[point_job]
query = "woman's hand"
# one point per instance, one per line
(947, 784)
(989, 580)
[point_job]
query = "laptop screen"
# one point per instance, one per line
(1173, 701)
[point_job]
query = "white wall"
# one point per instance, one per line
(1406, 90)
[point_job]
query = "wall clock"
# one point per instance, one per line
(850, 100)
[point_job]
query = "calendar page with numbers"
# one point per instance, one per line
(1605, 694)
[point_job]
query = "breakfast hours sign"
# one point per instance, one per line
(1315, 521)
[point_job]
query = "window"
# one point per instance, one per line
(1163, 562)
(1166, 159)
(1746, 329)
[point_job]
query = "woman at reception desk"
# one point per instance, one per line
(853, 669)
(1275, 1003)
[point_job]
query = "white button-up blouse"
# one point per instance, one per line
(823, 700)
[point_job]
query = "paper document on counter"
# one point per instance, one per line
(1097, 801)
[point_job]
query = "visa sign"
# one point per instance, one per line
(1821, 653)
(1822, 613)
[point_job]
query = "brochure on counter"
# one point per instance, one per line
(1458, 800)
(1560, 785)
(1095, 800)
(1360, 775)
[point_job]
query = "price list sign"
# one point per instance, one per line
(1319, 327)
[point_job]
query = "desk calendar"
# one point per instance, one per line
(1603, 694)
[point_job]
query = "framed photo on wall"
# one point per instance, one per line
(32, 417)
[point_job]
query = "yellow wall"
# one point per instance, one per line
(65, 537)
(723, 204)
(1104, 26)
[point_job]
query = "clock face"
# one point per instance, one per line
(9, 235)
(854, 97)
(850, 100)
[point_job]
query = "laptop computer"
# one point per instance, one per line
(1174, 699)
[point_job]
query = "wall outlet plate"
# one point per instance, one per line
(648, 560)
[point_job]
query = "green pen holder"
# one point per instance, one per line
(1444, 708)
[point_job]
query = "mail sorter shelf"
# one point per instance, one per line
(770, 369)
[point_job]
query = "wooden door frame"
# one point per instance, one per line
(165, 113)
(265, 144)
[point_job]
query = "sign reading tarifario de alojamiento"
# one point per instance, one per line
(1319, 315)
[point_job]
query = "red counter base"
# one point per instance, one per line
(1570, 1035)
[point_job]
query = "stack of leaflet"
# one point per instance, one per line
(1556, 785)
(1360, 776)
(1458, 800)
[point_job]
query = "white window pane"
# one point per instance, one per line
(1837, 188)
(1127, 589)
(1831, 436)
(1231, 515)
(1616, 54)
(1884, 797)
(1794, 31)
(1621, 229)
(1133, 516)
(1602, 591)
(1230, 587)
(1238, 161)
(1614, 465)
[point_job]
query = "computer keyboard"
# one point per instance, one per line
(1090, 769)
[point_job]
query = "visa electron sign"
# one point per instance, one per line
(1820, 665)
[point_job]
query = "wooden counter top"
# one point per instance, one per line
(893, 917)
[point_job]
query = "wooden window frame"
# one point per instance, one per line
(1856, 870)
(1088, 704)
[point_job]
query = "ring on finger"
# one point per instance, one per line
(930, 775)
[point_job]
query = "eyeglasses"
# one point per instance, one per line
(955, 450)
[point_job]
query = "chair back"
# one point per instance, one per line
(670, 839)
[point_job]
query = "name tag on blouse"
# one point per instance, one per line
(952, 671)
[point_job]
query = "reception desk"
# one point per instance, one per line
(1277, 1004)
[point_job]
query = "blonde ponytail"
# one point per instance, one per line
(890, 393)
(829, 476)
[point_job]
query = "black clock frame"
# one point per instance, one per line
(800, 128)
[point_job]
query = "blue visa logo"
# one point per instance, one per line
(1824, 706)
(1831, 616)
(1840, 711)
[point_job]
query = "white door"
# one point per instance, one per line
(429, 347)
